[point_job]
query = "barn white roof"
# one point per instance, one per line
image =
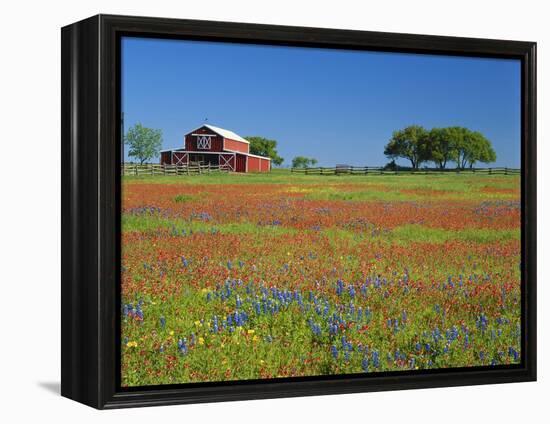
(225, 133)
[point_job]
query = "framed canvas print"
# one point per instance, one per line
(254, 211)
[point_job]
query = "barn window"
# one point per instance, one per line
(204, 142)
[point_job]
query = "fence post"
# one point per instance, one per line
(490, 171)
(505, 171)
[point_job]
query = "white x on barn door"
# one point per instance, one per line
(227, 161)
(179, 158)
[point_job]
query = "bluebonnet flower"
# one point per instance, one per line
(375, 359)
(466, 341)
(184, 261)
(182, 346)
(334, 351)
(339, 287)
(162, 322)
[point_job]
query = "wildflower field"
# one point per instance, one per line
(254, 276)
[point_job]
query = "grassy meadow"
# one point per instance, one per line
(253, 276)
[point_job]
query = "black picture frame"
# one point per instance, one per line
(90, 175)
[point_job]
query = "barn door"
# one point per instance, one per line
(180, 158)
(228, 162)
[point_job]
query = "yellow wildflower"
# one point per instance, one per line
(201, 341)
(250, 331)
(171, 332)
(131, 344)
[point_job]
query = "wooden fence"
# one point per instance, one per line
(156, 169)
(377, 170)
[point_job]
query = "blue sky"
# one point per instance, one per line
(337, 106)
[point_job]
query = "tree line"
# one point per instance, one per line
(441, 146)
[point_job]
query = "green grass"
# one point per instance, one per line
(284, 176)
(419, 233)
(468, 187)
(181, 198)
(155, 222)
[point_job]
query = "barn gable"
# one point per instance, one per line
(215, 139)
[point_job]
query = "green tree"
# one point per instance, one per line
(481, 149)
(144, 143)
(265, 147)
(303, 162)
(409, 143)
(441, 146)
(471, 147)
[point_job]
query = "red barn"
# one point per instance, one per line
(216, 146)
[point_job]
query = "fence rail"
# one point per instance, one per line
(378, 170)
(156, 169)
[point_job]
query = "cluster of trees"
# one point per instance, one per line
(265, 147)
(460, 145)
(303, 162)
